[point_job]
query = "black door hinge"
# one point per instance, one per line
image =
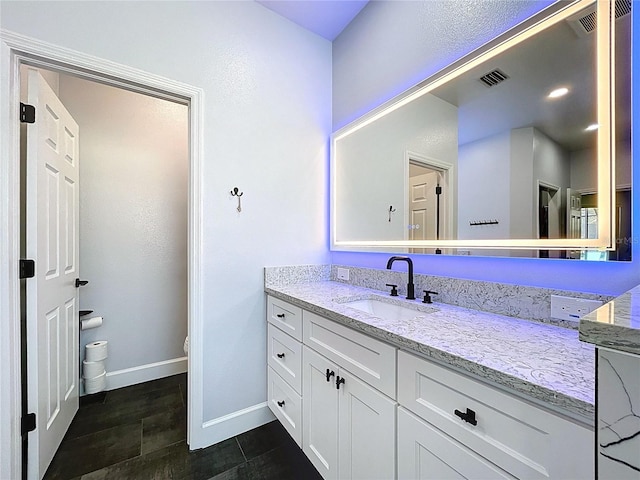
(27, 113)
(28, 423)
(27, 268)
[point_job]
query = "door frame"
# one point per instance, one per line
(16, 49)
(448, 171)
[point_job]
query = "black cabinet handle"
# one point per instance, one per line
(281, 404)
(329, 374)
(339, 380)
(469, 416)
(280, 355)
(81, 283)
(280, 315)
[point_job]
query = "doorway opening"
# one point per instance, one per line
(127, 199)
(549, 215)
(21, 50)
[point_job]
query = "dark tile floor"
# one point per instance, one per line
(139, 432)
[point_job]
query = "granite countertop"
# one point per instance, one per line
(616, 324)
(536, 360)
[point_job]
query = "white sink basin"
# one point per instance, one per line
(388, 311)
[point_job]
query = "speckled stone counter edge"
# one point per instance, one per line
(620, 328)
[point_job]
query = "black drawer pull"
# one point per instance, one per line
(280, 355)
(329, 374)
(281, 404)
(469, 416)
(339, 380)
(280, 315)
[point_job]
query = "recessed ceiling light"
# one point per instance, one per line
(558, 92)
(592, 127)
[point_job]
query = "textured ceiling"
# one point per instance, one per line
(325, 18)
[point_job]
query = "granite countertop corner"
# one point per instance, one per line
(616, 324)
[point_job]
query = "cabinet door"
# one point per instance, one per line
(424, 452)
(320, 413)
(367, 431)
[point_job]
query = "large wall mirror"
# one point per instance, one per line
(520, 149)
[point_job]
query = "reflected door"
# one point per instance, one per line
(424, 214)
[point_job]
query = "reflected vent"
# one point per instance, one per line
(493, 78)
(586, 24)
(622, 8)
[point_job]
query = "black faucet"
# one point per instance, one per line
(410, 287)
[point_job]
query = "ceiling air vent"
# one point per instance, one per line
(584, 24)
(493, 78)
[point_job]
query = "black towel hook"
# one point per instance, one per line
(234, 193)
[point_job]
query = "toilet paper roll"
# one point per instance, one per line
(92, 369)
(95, 385)
(93, 322)
(95, 351)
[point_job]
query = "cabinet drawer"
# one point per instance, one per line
(524, 440)
(285, 404)
(285, 316)
(367, 358)
(285, 356)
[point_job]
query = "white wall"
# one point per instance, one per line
(134, 158)
(551, 163)
(523, 200)
(484, 187)
(584, 169)
(267, 118)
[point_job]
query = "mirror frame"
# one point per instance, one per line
(605, 100)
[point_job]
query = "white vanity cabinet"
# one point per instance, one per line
(490, 431)
(362, 409)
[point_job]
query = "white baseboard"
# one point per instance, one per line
(235, 423)
(145, 373)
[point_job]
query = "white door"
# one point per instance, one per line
(367, 435)
(52, 300)
(422, 206)
(320, 413)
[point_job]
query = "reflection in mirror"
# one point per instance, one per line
(506, 150)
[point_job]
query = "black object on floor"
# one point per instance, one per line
(139, 433)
